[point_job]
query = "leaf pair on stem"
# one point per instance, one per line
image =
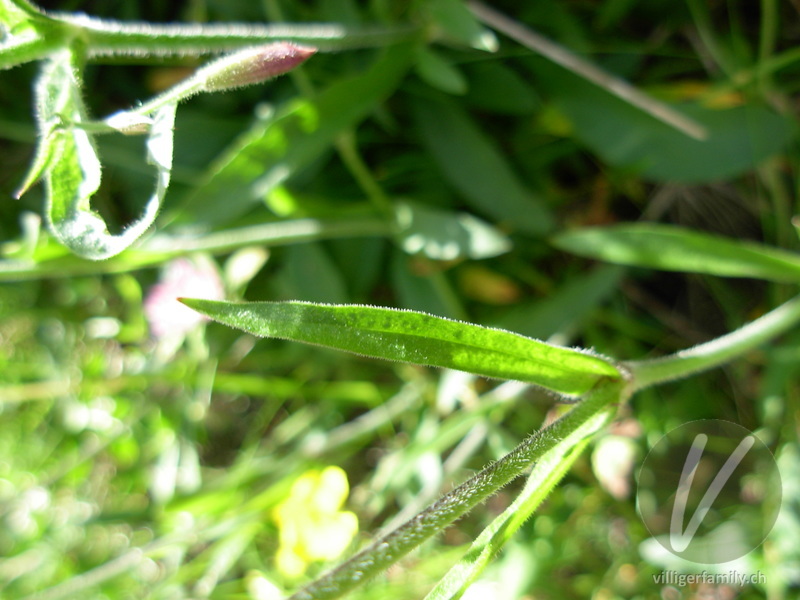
(67, 157)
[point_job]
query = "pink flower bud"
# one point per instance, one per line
(253, 65)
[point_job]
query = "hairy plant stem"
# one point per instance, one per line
(119, 38)
(390, 548)
(716, 352)
(161, 247)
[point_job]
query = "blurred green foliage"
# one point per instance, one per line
(135, 467)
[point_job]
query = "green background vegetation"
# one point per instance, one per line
(132, 467)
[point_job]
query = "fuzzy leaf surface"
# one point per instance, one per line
(418, 338)
(68, 160)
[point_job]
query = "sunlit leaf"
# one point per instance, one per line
(497, 88)
(677, 249)
(68, 158)
(441, 235)
(418, 338)
(459, 24)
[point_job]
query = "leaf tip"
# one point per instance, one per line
(190, 302)
(196, 304)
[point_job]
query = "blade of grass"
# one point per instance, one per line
(568, 60)
(55, 261)
(474, 166)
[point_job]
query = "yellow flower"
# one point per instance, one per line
(312, 527)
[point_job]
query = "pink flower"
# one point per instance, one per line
(181, 277)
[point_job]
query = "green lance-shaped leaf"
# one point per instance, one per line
(677, 249)
(419, 338)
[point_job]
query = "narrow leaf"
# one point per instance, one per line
(546, 474)
(439, 73)
(457, 23)
(677, 249)
(497, 88)
(46, 151)
(475, 167)
(418, 338)
(458, 501)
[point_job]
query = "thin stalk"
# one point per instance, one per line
(180, 91)
(162, 247)
(351, 157)
(119, 38)
(390, 548)
(781, 201)
(716, 352)
(545, 476)
(278, 233)
(563, 57)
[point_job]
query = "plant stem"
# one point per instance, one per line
(162, 247)
(387, 550)
(348, 152)
(119, 38)
(716, 352)
(545, 476)
(704, 25)
(564, 58)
